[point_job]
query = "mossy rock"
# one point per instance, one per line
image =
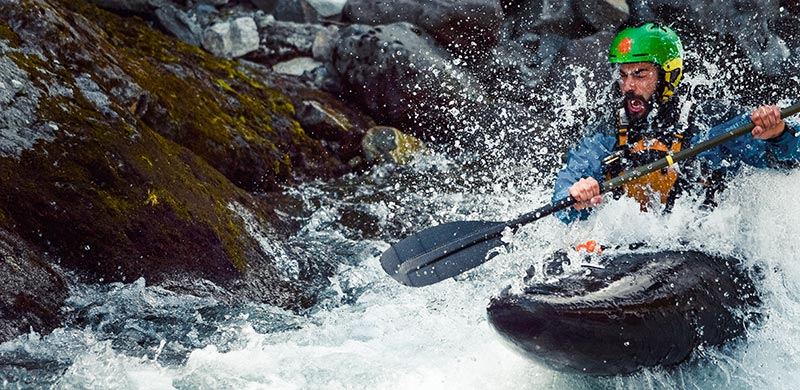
(32, 292)
(234, 117)
(138, 152)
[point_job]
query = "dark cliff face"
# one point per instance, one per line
(125, 153)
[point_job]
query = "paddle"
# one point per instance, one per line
(446, 250)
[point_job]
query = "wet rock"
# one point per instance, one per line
(323, 122)
(265, 5)
(746, 22)
(545, 17)
(281, 41)
(603, 15)
(232, 39)
(297, 66)
(209, 2)
(144, 8)
(298, 11)
(32, 292)
(180, 24)
(127, 154)
(388, 144)
(327, 9)
(404, 79)
(460, 24)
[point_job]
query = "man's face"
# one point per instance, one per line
(638, 82)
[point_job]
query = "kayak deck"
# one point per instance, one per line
(628, 312)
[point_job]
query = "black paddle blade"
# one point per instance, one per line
(442, 252)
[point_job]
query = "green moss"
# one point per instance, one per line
(116, 204)
(9, 35)
(158, 186)
(225, 86)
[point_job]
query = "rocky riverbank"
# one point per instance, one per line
(148, 138)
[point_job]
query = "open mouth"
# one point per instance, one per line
(635, 105)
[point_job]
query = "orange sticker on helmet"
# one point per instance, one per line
(625, 46)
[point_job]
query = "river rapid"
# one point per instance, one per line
(369, 332)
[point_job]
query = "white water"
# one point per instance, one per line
(395, 337)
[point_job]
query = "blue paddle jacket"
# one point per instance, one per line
(698, 122)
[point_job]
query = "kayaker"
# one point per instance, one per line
(651, 121)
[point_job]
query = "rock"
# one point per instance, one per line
(323, 122)
(232, 39)
(404, 79)
(387, 144)
(561, 18)
(464, 25)
(327, 8)
(265, 5)
(324, 44)
(296, 66)
(280, 41)
(604, 15)
(298, 11)
(746, 23)
(145, 8)
(32, 292)
(179, 24)
(127, 154)
(210, 2)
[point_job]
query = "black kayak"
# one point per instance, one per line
(628, 312)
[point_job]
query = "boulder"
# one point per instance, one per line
(231, 39)
(603, 15)
(383, 144)
(462, 25)
(404, 79)
(282, 41)
(180, 24)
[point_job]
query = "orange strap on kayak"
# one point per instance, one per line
(590, 246)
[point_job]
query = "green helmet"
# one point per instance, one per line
(651, 43)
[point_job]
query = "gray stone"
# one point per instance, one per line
(323, 122)
(324, 44)
(389, 145)
(465, 24)
(244, 36)
(296, 66)
(232, 39)
(19, 100)
(32, 291)
(327, 8)
(298, 11)
(282, 41)
(210, 2)
(603, 14)
(179, 24)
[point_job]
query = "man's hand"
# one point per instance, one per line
(768, 122)
(586, 193)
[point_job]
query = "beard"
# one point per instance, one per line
(636, 106)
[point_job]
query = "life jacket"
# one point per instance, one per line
(630, 152)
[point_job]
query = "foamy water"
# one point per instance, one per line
(371, 333)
